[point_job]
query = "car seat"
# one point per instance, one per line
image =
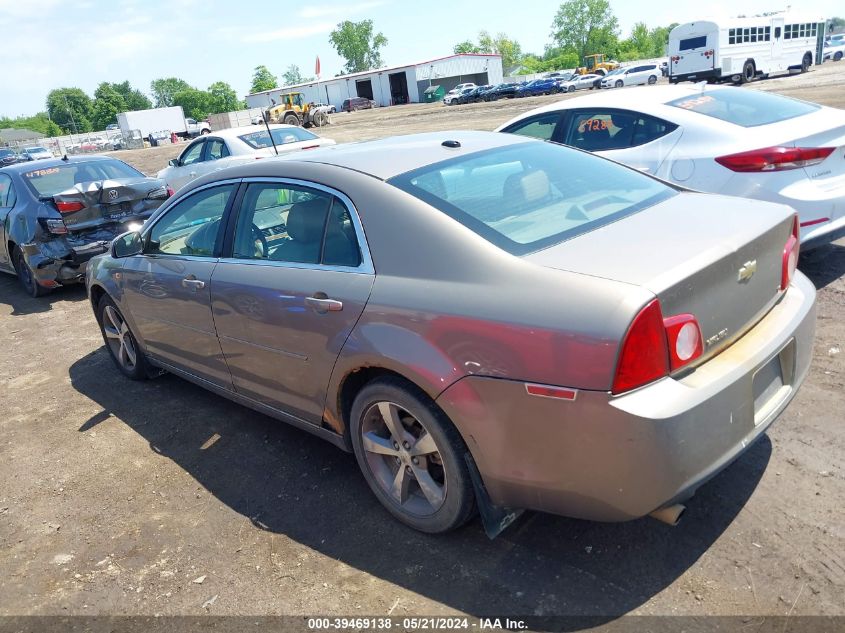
(305, 224)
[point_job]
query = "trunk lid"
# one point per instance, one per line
(716, 257)
(90, 204)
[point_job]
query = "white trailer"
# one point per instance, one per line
(153, 121)
(743, 49)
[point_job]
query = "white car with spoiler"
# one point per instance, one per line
(719, 139)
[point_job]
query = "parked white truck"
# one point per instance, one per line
(161, 121)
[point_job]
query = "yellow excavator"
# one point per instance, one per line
(596, 64)
(293, 110)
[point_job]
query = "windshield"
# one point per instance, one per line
(529, 196)
(748, 108)
(49, 181)
(282, 136)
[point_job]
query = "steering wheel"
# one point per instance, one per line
(259, 239)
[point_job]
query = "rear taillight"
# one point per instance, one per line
(644, 356)
(69, 207)
(653, 347)
(790, 256)
(684, 338)
(775, 158)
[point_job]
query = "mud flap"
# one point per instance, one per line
(495, 518)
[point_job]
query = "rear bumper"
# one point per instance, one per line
(609, 458)
(713, 73)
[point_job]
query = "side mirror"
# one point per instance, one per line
(173, 162)
(127, 244)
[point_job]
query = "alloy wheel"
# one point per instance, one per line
(404, 459)
(119, 338)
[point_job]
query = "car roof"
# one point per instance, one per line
(234, 132)
(55, 162)
(389, 157)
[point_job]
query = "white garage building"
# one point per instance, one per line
(393, 86)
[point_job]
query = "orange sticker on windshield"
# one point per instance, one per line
(593, 125)
(42, 172)
(690, 104)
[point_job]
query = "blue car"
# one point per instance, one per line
(538, 87)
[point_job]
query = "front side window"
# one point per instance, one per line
(191, 226)
(192, 155)
(748, 108)
(529, 196)
(289, 223)
(602, 130)
(7, 192)
(542, 126)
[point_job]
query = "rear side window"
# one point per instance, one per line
(692, 43)
(748, 108)
(602, 130)
(529, 196)
(542, 126)
(7, 192)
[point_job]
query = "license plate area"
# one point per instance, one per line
(772, 382)
(118, 211)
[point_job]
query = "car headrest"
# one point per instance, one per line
(528, 186)
(306, 220)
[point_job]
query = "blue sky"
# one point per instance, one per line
(62, 43)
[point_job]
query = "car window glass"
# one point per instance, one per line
(601, 130)
(191, 226)
(748, 108)
(192, 154)
(287, 223)
(217, 149)
(7, 192)
(541, 126)
(48, 181)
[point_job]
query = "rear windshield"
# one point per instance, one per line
(260, 139)
(48, 181)
(748, 108)
(692, 42)
(529, 196)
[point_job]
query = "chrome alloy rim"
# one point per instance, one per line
(403, 458)
(119, 338)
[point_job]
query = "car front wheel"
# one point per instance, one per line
(411, 457)
(121, 343)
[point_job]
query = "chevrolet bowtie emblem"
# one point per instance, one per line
(747, 271)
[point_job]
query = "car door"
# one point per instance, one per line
(296, 280)
(187, 165)
(633, 138)
(167, 287)
(8, 198)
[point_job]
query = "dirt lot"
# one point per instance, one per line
(161, 498)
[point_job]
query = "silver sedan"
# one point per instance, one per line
(485, 320)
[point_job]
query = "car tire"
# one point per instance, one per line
(619, 83)
(120, 342)
(25, 276)
(571, 89)
(652, 80)
(806, 62)
(749, 73)
(428, 507)
(837, 56)
(204, 132)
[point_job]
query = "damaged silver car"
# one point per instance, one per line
(57, 214)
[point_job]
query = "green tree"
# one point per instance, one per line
(132, 97)
(70, 109)
(108, 102)
(164, 89)
(587, 27)
(466, 47)
(835, 23)
(223, 98)
(356, 43)
(293, 76)
(38, 123)
(263, 79)
(196, 104)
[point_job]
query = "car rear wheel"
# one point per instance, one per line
(837, 56)
(411, 457)
(121, 343)
(25, 275)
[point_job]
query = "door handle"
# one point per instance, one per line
(193, 283)
(323, 303)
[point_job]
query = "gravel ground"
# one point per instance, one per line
(161, 498)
